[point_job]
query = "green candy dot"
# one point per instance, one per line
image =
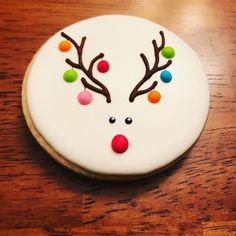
(168, 52)
(70, 76)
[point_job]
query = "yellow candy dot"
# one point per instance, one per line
(64, 46)
(154, 96)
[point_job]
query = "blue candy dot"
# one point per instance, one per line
(166, 76)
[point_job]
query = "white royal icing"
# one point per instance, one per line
(159, 133)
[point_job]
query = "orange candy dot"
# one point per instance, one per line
(154, 96)
(64, 46)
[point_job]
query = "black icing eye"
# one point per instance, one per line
(128, 120)
(112, 120)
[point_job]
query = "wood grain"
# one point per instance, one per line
(227, 228)
(197, 196)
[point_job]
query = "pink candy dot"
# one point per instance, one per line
(85, 97)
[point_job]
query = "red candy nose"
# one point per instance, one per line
(119, 143)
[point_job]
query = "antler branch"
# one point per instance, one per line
(150, 72)
(88, 72)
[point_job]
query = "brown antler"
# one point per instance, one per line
(88, 72)
(150, 72)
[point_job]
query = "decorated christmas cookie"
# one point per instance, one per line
(115, 97)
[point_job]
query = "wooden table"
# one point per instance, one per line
(197, 196)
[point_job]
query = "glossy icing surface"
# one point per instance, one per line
(159, 132)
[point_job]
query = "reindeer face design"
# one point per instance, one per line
(119, 96)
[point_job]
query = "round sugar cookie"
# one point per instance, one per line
(115, 97)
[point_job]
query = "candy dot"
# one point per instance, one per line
(112, 120)
(70, 76)
(168, 52)
(64, 46)
(166, 76)
(103, 66)
(128, 120)
(119, 143)
(85, 97)
(154, 96)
